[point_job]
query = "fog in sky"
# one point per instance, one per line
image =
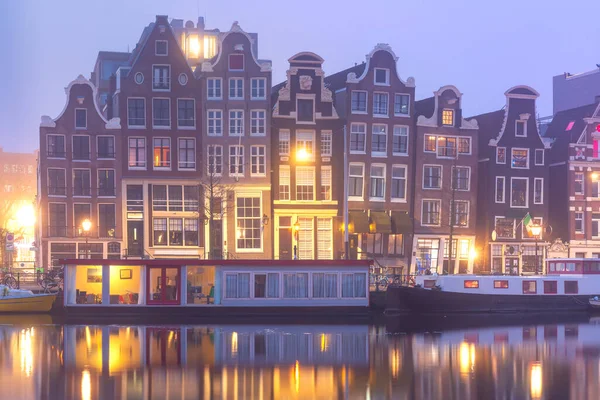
(482, 47)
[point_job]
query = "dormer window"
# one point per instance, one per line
(161, 48)
(448, 117)
(382, 76)
(521, 128)
(236, 62)
(305, 110)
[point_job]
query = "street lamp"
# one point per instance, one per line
(536, 230)
(86, 225)
(301, 154)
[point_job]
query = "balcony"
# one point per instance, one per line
(101, 232)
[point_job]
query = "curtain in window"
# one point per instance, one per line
(243, 286)
(295, 285)
(324, 285)
(347, 285)
(360, 285)
(231, 286)
(272, 285)
(318, 285)
(330, 285)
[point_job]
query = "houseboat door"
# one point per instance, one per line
(164, 285)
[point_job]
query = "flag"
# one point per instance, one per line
(527, 222)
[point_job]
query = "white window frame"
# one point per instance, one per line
(385, 134)
(458, 145)
(377, 165)
(503, 179)
(582, 219)
(498, 155)
(366, 111)
(258, 158)
(434, 151)
(364, 133)
(64, 170)
(524, 127)
(75, 118)
(400, 114)
(362, 166)
(326, 137)
(239, 158)
(399, 199)
(326, 172)
(526, 179)
(64, 146)
(451, 110)
(285, 179)
(535, 180)
(166, 42)
(314, 181)
(407, 139)
(468, 203)
(145, 113)
(514, 234)
(89, 171)
(439, 201)
(237, 87)
(209, 119)
(168, 78)
(543, 152)
(193, 163)
(208, 94)
(194, 103)
(170, 116)
(163, 168)
(441, 177)
(324, 239)
(114, 146)
(262, 239)
(139, 167)
(582, 182)
(314, 105)
(98, 172)
(264, 119)
(387, 77)
(387, 113)
(236, 118)
(452, 178)
(511, 157)
(89, 147)
(284, 136)
(303, 136)
(264, 88)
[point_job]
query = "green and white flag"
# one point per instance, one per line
(527, 221)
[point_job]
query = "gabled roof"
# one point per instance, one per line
(490, 125)
(425, 107)
(141, 43)
(567, 126)
(338, 80)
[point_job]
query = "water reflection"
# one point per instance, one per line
(298, 362)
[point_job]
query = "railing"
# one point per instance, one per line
(81, 156)
(161, 83)
(144, 255)
(78, 232)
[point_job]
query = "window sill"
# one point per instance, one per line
(161, 90)
(379, 155)
(381, 84)
(398, 200)
(511, 206)
(81, 128)
(358, 152)
(258, 98)
(356, 112)
(214, 135)
(430, 225)
(237, 98)
(81, 160)
(377, 199)
(136, 168)
(402, 115)
(355, 198)
(518, 167)
(161, 168)
(186, 128)
(161, 127)
(432, 188)
(136, 126)
(214, 98)
(380, 116)
(184, 169)
(400, 154)
(258, 134)
(236, 134)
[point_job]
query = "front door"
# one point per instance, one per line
(511, 265)
(164, 285)
(135, 238)
(285, 243)
(216, 237)
(353, 246)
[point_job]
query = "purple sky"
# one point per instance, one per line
(481, 47)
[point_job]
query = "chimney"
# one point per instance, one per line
(200, 23)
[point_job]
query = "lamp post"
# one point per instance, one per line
(296, 234)
(86, 225)
(536, 230)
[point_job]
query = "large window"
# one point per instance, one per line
(379, 140)
(430, 213)
(162, 152)
(324, 285)
(400, 142)
(186, 113)
(520, 158)
(295, 285)
(305, 238)
(257, 160)
(237, 285)
(214, 88)
(461, 178)
(284, 182)
(161, 112)
(215, 122)
(324, 239)
(500, 184)
(398, 182)
(284, 143)
(326, 183)
(505, 227)
(56, 146)
(519, 192)
(305, 144)
(377, 181)
(57, 219)
(236, 160)
(215, 159)
(82, 185)
(257, 122)
(266, 285)
(305, 183)
(358, 134)
(447, 117)
(354, 285)
(326, 137)
(81, 148)
(106, 182)
(429, 144)
(236, 88)
(359, 101)
(161, 77)
(248, 223)
(432, 177)
(461, 213)
(401, 104)
(106, 147)
(236, 123)
(446, 146)
(258, 88)
(579, 183)
(538, 191)
(136, 112)
(174, 198)
(57, 183)
(380, 104)
(107, 220)
(175, 231)
(187, 153)
(305, 110)
(137, 152)
(355, 180)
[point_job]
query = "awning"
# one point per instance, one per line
(358, 221)
(401, 222)
(381, 222)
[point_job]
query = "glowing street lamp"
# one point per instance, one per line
(26, 216)
(302, 154)
(86, 225)
(536, 231)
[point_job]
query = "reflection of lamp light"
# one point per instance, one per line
(535, 380)
(86, 385)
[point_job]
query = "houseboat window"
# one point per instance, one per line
(354, 285)
(88, 285)
(571, 267)
(550, 287)
(295, 286)
(560, 267)
(471, 284)
(324, 285)
(126, 284)
(429, 283)
(592, 267)
(500, 284)
(200, 284)
(529, 287)
(552, 267)
(237, 286)
(571, 287)
(266, 285)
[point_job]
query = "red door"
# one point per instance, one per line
(164, 285)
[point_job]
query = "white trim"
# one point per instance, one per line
(89, 170)
(136, 168)
(98, 182)
(82, 134)
(193, 127)
(399, 199)
(229, 86)
(238, 155)
(379, 153)
(264, 133)
(48, 182)
(407, 115)
(453, 113)
(441, 177)
(214, 146)
(524, 122)
(195, 153)
(208, 119)
(366, 92)
(64, 146)
(295, 115)
(168, 78)
(503, 178)
(439, 201)
(242, 125)
(410, 82)
(542, 190)
(514, 222)
(387, 76)
(129, 126)
(543, 157)
(452, 178)
(265, 88)
(497, 154)
(362, 196)
(407, 139)
(363, 151)
(220, 87)
(264, 157)
(387, 113)
(170, 116)
(526, 179)
(377, 165)
(98, 147)
(511, 157)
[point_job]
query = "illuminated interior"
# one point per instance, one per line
(200, 284)
(126, 284)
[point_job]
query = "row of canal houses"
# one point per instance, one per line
(185, 148)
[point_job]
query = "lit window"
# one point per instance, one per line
(305, 146)
(305, 183)
(326, 183)
(471, 284)
(500, 155)
(284, 182)
(500, 284)
(162, 152)
(520, 158)
(448, 117)
(284, 143)
(430, 143)
(529, 287)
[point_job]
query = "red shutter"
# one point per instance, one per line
(595, 148)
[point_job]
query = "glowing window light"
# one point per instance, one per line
(193, 46)
(234, 344)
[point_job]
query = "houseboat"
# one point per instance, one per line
(216, 288)
(569, 285)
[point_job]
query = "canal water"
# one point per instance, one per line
(396, 359)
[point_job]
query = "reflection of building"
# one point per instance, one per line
(18, 182)
(513, 182)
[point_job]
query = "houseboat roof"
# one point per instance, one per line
(196, 262)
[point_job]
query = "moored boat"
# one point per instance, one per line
(569, 285)
(24, 301)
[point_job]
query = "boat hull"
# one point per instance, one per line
(419, 300)
(35, 304)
